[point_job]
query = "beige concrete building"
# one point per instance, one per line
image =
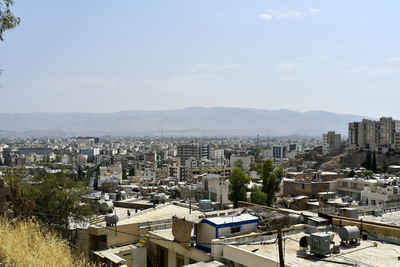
(129, 229)
(331, 143)
(293, 187)
(374, 135)
(353, 186)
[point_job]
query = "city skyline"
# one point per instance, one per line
(188, 133)
(297, 55)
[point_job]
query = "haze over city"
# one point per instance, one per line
(187, 133)
(102, 56)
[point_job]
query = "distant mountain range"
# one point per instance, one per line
(195, 121)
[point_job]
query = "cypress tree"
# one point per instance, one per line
(374, 167)
(367, 163)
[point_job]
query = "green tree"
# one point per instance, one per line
(7, 19)
(238, 163)
(266, 168)
(80, 174)
(55, 198)
(367, 163)
(374, 167)
(271, 177)
(132, 171)
(258, 196)
(237, 185)
(255, 166)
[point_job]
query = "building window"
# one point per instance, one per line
(235, 229)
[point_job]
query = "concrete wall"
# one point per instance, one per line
(139, 257)
(174, 247)
(130, 235)
(310, 189)
(247, 258)
(215, 186)
(368, 197)
(82, 240)
(205, 233)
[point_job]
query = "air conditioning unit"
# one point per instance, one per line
(320, 243)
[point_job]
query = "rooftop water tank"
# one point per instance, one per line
(296, 219)
(205, 205)
(106, 206)
(111, 219)
(348, 233)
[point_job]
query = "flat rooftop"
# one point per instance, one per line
(392, 218)
(159, 213)
(364, 255)
(164, 233)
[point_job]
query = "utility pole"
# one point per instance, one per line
(280, 248)
(220, 201)
(190, 202)
(190, 205)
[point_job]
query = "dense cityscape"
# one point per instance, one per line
(199, 133)
(177, 201)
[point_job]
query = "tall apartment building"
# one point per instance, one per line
(218, 155)
(331, 143)
(192, 150)
(356, 135)
(279, 152)
(374, 135)
(397, 135)
(204, 151)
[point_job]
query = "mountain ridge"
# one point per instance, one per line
(216, 120)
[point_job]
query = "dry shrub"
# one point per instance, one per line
(28, 243)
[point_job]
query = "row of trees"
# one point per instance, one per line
(370, 162)
(270, 175)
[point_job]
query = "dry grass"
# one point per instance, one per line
(27, 243)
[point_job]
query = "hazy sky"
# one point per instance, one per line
(101, 56)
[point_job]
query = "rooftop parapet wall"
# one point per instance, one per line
(380, 231)
(389, 231)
